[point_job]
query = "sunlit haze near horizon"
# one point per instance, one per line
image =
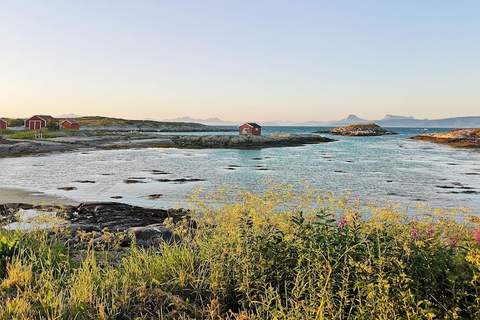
(240, 60)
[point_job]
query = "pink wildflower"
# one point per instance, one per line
(414, 233)
(453, 241)
(343, 222)
(476, 235)
(430, 231)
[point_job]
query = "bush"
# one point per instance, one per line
(258, 258)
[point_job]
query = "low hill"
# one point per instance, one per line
(106, 123)
(118, 124)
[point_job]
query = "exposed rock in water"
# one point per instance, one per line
(67, 188)
(130, 181)
(84, 181)
(155, 196)
(247, 142)
(361, 130)
(180, 180)
(462, 138)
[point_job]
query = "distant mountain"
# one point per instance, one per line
(394, 117)
(388, 120)
(351, 119)
(68, 116)
(457, 122)
(207, 121)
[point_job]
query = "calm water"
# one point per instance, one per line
(381, 169)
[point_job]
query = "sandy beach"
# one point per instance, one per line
(15, 195)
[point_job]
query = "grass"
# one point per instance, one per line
(46, 134)
(107, 121)
(256, 258)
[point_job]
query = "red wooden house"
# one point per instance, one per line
(38, 122)
(69, 124)
(3, 124)
(250, 128)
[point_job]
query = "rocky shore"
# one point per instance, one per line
(16, 148)
(144, 225)
(461, 138)
(247, 142)
(361, 130)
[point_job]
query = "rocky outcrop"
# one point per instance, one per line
(462, 138)
(361, 130)
(16, 148)
(21, 148)
(114, 216)
(247, 142)
(146, 226)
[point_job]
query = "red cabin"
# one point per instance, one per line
(38, 122)
(69, 124)
(250, 129)
(3, 124)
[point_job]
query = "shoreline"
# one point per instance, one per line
(19, 148)
(19, 195)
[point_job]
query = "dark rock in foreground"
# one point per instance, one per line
(361, 130)
(247, 142)
(462, 138)
(115, 216)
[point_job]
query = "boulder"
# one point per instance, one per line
(153, 234)
(361, 130)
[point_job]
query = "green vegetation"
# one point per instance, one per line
(257, 259)
(45, 133)
(97, 121)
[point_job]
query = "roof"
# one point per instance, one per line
(44, 117)
(252, 124)
(3, 120)
(71, 121)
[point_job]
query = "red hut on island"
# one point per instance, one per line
(38, 122)
(69, 124)
(250, 129)
(3, 124)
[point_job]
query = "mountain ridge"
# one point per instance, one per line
(389, 120)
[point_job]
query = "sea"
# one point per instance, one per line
(383, 170)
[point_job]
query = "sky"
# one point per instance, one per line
(255, 60)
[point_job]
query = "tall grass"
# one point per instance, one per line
(257, 259)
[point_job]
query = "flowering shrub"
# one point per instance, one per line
(273, 256)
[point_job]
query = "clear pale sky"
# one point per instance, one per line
(255, 60)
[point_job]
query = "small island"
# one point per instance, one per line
(461, 138)
(361, 130)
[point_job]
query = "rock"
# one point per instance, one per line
(247, 142)
(67, 188)
(462, 138)
(131, 181)
(119, 216)
(116, 197)
(153, 234)
(180, 180)
(158, 172)
(361, 130)
(155, 196)
(84, 181)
